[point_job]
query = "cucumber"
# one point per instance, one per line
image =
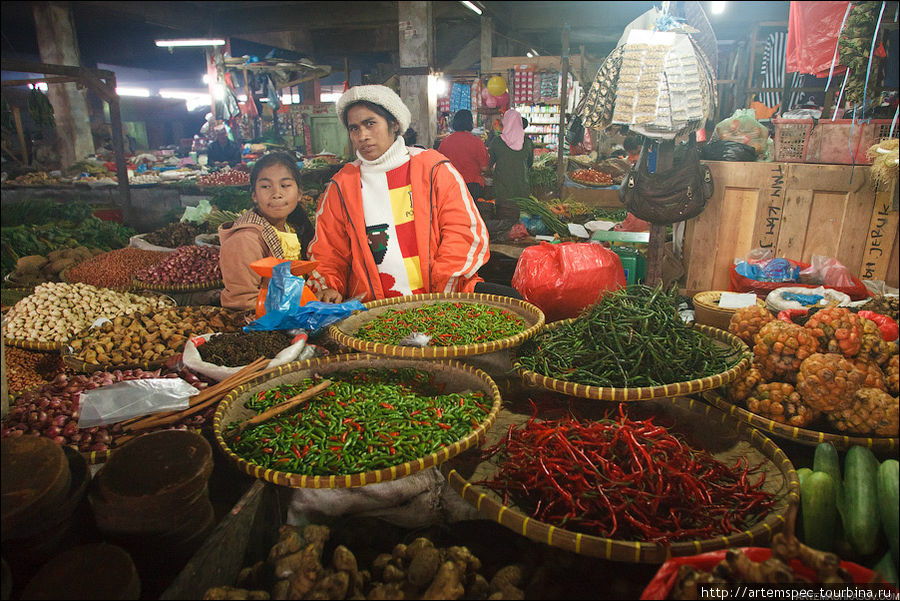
(802, 473)
(826, 460)
(888, 495)
(887, 569)
(860, 517)
(819, 511)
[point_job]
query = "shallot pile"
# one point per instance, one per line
(186, 265)
(53, 409)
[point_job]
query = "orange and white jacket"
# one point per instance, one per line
(451, 236)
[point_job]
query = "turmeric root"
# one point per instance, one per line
(771, 570)
(424, 565)
(332, 586)
(307, 569)
(230, 592)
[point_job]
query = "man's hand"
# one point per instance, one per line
(330, 295)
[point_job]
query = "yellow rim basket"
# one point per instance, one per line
(646, 393)
(231, 409)
(344, 332)
(780, 477)
(800, 435)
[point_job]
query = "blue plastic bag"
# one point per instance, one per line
(283, 310)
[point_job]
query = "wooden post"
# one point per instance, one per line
(17, 117)
(563, 102)
(115, 118)
(656, 248)
(487, 47)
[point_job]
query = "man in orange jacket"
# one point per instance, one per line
(397, 221)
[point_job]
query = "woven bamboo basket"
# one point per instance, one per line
(723, 436)
(708, 312)
(800, 435)
(600, 393)
(456, 376)
(199, 287)
(344, 332)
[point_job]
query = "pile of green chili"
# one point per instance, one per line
(633, 337)
(367, 420)
(447, 323)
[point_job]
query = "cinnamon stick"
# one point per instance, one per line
(287, 405)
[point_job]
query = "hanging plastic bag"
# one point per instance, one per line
(826, 271)
(124, 400)
(199, 213)
(813, 29)
(283, 310)
(562, 279)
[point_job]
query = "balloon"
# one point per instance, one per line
(503, 99)
(496, 85)
(491, 102)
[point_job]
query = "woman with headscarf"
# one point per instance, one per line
(398, 220)
(512, 155)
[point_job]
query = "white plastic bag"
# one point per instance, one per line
(124, 400)
(776, 303)
(299, 350)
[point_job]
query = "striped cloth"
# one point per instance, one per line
(772, 72)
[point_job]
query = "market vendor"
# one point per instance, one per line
(511, 155)
(223, 150)
(275, 227)
(398, 220)
(466, 152)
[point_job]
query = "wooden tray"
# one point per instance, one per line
(344, 332)
(650, 392)
(799, 435)
(457, 376)
(724, 436)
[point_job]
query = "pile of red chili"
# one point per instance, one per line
(625, 479)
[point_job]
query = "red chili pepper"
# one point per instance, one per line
(443, 426)
(386, 405)
(296, 451)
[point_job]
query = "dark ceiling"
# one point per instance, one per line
(122, 33)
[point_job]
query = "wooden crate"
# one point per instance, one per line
(797, 210)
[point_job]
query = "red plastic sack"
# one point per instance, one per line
(812, 36)
(662, 583)
(562, 279)
(739, 283)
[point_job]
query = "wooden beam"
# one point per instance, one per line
(28, 82)
(541, 63)
(64, 70)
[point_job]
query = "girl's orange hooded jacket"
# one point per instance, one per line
(452, 238)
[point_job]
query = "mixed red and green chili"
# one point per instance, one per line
(625, 479)
(633, 337)
(447, 323)
(367, 420)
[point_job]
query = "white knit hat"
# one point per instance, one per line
(380, 95)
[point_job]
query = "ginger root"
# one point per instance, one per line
(289, 541)
(447, 584)
(230, 592)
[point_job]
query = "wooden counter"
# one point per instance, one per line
(797, 210)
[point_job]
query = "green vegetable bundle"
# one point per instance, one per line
(533, 206)
(632, 338)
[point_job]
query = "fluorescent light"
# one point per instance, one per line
(529, 54)
(442, 87)
(472, 7)
(126, 91)
(535, 52)
(717, 8)
(190, 42)
(41, 85)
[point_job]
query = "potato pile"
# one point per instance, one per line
(148, 337)
(56, 312)
(295, 570)
(36, 269)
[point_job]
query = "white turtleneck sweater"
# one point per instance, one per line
(390, 229)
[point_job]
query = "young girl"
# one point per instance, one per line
(275, 227)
